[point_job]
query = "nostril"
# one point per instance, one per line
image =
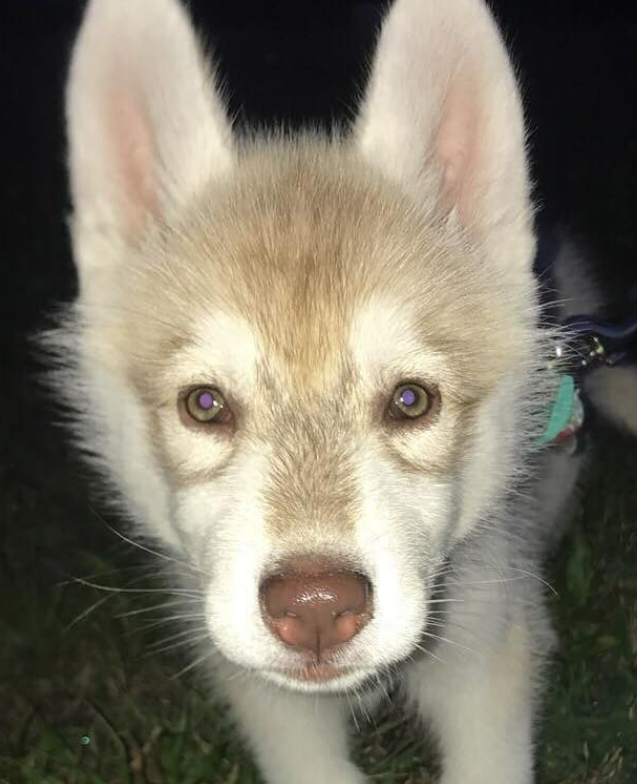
(314, 607)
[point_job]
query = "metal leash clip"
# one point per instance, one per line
(589, 342)
(585, 343)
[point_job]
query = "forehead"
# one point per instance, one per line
(310, 262)
(381, 337)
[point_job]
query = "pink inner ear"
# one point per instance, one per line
(133, 156)
(457, 145)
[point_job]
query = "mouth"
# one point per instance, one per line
(321, 677)
(315, 672)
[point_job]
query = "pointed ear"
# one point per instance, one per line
(442, 115)
(146, 128)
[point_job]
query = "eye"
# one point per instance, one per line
(409, 401)
(206, 404)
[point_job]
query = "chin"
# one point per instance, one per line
(320, 678)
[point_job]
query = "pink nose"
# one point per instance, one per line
(316, 606)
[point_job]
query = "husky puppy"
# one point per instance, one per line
(312, 369)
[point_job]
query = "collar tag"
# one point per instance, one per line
(566, 416)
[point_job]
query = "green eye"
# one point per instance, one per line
(206, 404)
(409, 401)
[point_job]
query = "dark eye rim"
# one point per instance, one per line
(224, 416)
(397, 417)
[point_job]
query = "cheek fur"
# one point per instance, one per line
(402, 535)
(191, 454)
(431, 448)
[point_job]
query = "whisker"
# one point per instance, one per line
(161, 606)
(208, 655)
(447, 640)
(85, 613)
(142, 547)
(426, 651)
(163, 621)
(524, 575)
(450, 600)
(113, 589)
(352, 711)
(121, 569)
(172, 646)
(192, 635)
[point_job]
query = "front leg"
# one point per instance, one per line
(296, 738)
(479, 703)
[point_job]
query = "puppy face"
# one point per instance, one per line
(304, 352)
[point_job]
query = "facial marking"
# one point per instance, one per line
(386, 345)
(225, 347)
(217, 370)
(310, 493)
(389, 345)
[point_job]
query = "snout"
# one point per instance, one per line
(316, 606)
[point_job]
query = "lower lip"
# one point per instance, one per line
(316, 673)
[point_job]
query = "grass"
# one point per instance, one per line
(83, 702)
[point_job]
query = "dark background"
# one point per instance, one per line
(300, 63)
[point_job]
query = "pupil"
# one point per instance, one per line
(408, 397)
(206, 400)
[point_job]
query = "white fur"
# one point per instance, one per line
(442, 92)
(208, 361)
(441, 121)
(146, 129)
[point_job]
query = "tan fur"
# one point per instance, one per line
(297, 244)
